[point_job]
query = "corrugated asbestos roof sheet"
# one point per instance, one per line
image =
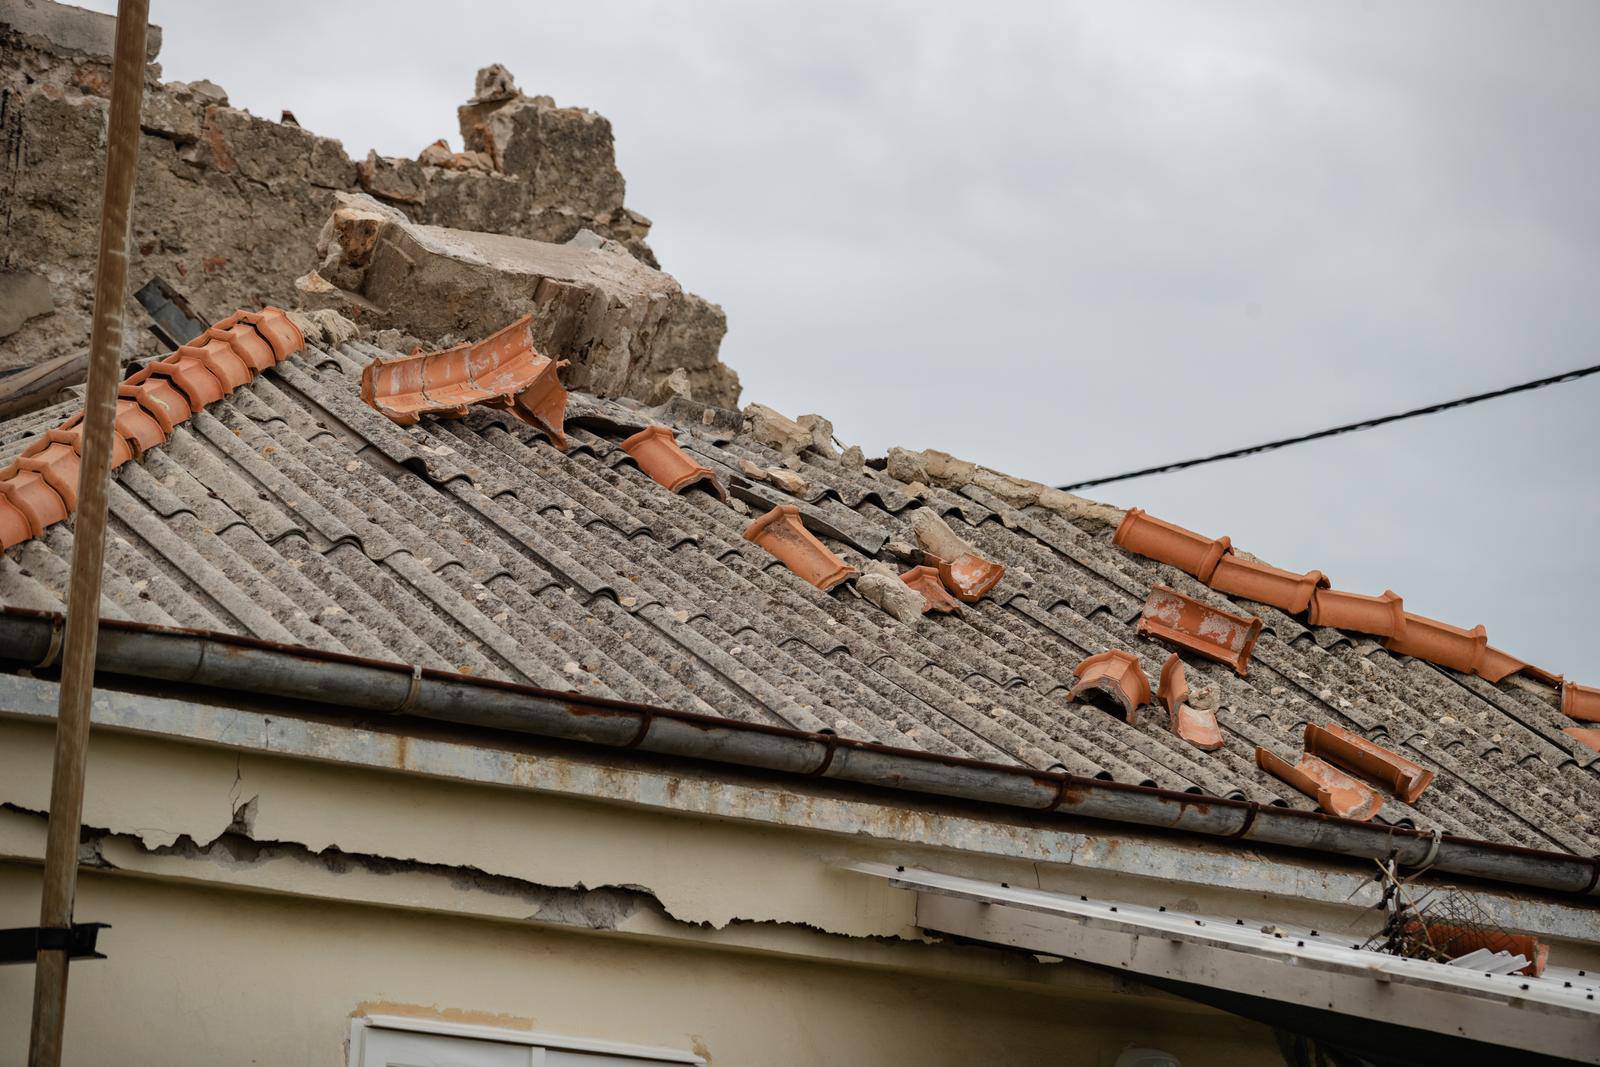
(293, 512)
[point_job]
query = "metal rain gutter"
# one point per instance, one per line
(248, 665)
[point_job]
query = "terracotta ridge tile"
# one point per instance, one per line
(1335, 792)
(1170, 616)
(657, 452)
(1116, 675)
(1580, 702)
(502, 370)
(1198, 726)
(968, 576)
(1588, 736)
(927, 581)
(1404, 778)
(1440, 643)
(1383, 615)
(1454, 942)
(782, 533)
(1146, 535)
(40, 488)
(1265, 584)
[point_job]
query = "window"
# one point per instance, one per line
(397, 1041)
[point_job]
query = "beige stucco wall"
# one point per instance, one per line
(201, 976)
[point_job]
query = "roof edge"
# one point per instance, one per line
(243, 664)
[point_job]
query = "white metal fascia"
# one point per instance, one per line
(507, 1036)
(1555, 1015)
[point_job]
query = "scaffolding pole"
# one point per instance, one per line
(88, 546)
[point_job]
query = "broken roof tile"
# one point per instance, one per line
(926, 580)
(502, 370)
(1349, 750)
(1440, 643)
(968, 576)
(1453, 942)
(1580, 702)
(1186, 550)
(655, 449)
(1170, 616)
(1113, 681)
(782, 534)
(1254, 580)
(1383, 615)
(1335, 792)
(1198, 726)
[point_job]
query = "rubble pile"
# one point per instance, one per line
(228, 205)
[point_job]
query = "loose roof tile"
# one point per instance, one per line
(1335, 792)
(1440, 643)
(968, 576)
(926, 580)
(1383, 615)
(1453, 941)
(1254, 580)
(1197, 726)
(1404, 778)
(1170, 616)
(655, 449)
(1184, 549)
(502, 370)
(1113, 680)
(1588, 736)
(781, 533)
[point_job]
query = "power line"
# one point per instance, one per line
(1366, 424)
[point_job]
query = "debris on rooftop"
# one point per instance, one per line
(1193, 722)
(1112, 681)
(881, 586)
(1335, 792)
(782, 533)
(1448, 925)
(1179, 620)
(965, 573)
(1404, 778)
(927, 582)
(655, 449)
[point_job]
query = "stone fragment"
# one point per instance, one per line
(788, 481)
(1018, 492)
(396, 180)
(674, 384)
(164, 114)
(776, 430)
(493, 82)
(325, 327)
(906, 465)
(936, 537)
(1090, 514)
(852, 459)
(881, 586)
(945, 470)
(821, 431)
(598, 307)
(753, 471)
(22, 297)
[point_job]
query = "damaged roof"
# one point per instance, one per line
(291, 511)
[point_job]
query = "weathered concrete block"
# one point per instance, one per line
(68, 29)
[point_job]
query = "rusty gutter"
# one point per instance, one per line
(263, 668)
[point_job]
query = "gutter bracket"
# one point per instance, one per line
(1435, 836)
(827, 757)
(1249, 820)
(411, 694)
(57, 635)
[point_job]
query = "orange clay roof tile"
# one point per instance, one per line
(1198, 726)
(1335, 792)
(656, 450)
(935, 597)
(968, 577)
(1580, 702)
(1383, 615)
(41, 487)
(1186, 550)
(1440, 643)
(1584, 735)
(1354, 753)
(781, 532)
(502, 370)
(1211, 632)
(1453, 942)
(1113, 677)
(1265, 584)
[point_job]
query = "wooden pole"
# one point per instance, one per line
(88, 542)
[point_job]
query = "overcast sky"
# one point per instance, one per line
(1068, 240)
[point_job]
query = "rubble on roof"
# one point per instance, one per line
(228, 202)
(940, 469)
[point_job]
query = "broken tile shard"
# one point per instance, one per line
(1335, 792)
(1350, 751)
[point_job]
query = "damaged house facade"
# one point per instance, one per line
(478, 685)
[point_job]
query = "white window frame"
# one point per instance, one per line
(360, 1024)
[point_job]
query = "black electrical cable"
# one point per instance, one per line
(1366, 424)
